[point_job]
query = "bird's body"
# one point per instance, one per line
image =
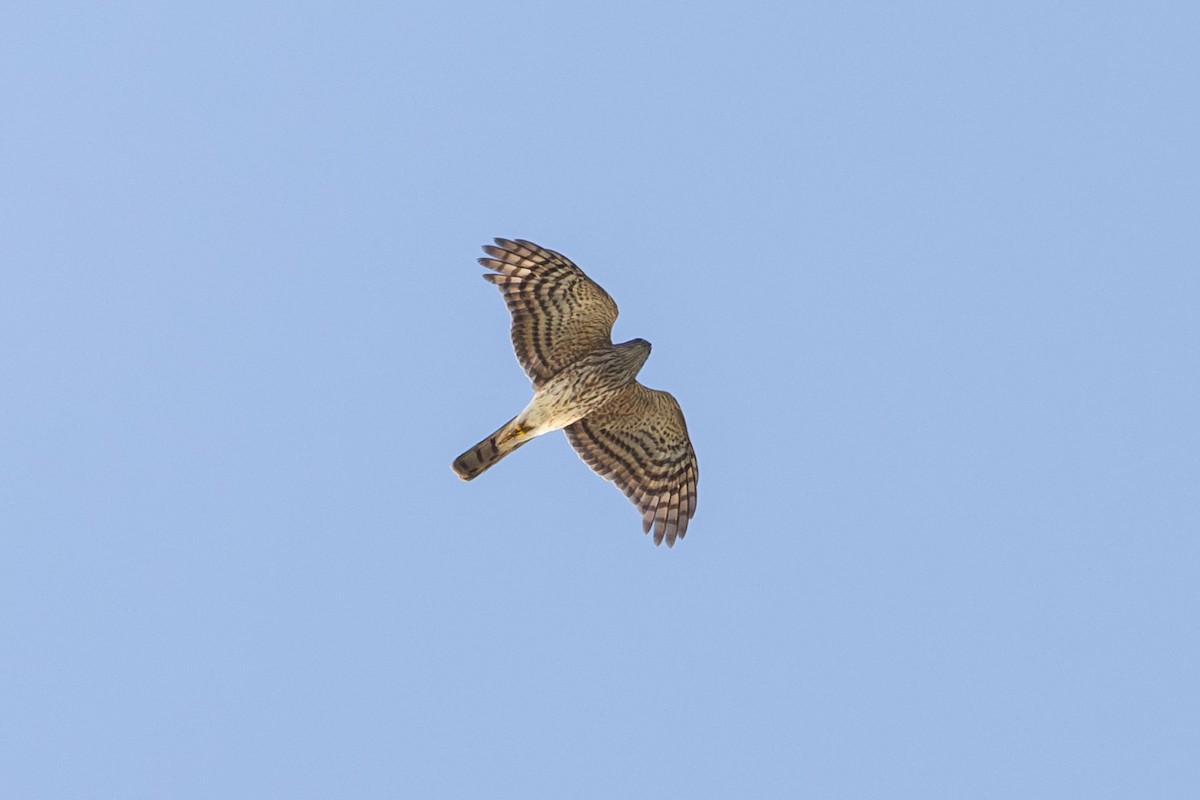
(562, 400)
(587, 386)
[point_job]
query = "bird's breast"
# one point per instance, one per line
(572, 394)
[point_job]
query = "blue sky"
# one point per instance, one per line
(922, 276)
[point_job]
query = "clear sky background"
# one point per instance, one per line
(923, 276)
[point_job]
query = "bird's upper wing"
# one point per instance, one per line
(639, 441)
(558, 313)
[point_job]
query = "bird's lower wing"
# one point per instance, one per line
(639, 441)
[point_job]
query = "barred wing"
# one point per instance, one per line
(639, 441)
(558, 313)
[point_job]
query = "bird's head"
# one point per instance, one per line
(637, 351)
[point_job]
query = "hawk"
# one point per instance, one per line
(587, 387)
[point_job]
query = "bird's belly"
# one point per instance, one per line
(565, 399)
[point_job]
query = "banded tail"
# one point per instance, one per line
(482, 456)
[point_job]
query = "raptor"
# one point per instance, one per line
(587, 387)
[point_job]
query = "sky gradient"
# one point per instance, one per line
(923, 279)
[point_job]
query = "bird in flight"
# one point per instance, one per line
(587, 387)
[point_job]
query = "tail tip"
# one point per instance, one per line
(466, 467)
